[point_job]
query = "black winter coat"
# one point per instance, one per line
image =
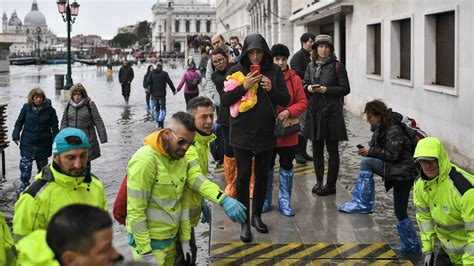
(300, 61)
(126, 74)
(218, 78)
(253, 130)
(37, 130)
(392, 146)
(158, 80)
(324, 115)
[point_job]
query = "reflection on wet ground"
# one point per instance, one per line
(127, 125)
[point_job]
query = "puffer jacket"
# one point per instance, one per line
(324, 115)
(254, 129)
(392, 146)
(85, 116)
(158, 80)
(296, 107)
(444, 205)
(37, 129)
(218, 78)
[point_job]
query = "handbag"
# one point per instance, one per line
(281, 129)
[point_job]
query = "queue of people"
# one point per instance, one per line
(265, 107)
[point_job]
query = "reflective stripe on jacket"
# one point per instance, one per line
(154, 192)
(444, 205)
(33, 211)
(191, 212)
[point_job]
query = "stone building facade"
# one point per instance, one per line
(174, 21)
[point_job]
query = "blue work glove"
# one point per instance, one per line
(206, 212)
(235, 210)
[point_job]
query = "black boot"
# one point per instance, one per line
(319, 170)
(259, 225)
(326, 191)
(245, 232)
(300, 150)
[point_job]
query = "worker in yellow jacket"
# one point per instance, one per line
(444, 201)
(59, 184)
(202, 109)
(157, 175)
(7, 247)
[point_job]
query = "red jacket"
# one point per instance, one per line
(296, 107)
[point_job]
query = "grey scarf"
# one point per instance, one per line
(319, 64)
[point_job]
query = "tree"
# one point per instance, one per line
(124, 40)
(143, 31)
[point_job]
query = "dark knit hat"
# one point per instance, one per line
(323, 39)
(280, 50)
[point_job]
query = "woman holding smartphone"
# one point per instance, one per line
(255, 94)
(326, 83)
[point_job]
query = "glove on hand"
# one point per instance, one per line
(206, 212)
(187, 253)
(235, 210)
(429, 259)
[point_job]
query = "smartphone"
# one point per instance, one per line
(360, 146)
(255, 68)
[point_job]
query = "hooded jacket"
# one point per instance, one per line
(191, 73)
(444, 205)
(51, 191)
(254, 129)
(155, 188)
(33, 250)
(158, 80)
(37, 129)
(392, 146)
(85, 116)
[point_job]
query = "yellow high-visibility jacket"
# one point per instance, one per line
(7, 247)
(33, 250)
(51, 191)
(191, 207)
(154, 192)
(445, 205)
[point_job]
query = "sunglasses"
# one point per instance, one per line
(181, 141)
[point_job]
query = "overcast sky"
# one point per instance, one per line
(100, 17)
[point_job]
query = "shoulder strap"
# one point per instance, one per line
(46, 177)
(461, 183)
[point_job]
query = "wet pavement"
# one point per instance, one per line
(126, 127)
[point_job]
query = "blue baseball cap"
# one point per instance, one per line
(70, 139)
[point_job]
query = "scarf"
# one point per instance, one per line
(37, 109)
(319, 64)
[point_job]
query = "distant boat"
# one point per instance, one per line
(23, 61)
(90, 62)
(56, 61)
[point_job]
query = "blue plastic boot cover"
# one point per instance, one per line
(161, 115)
(409, 241)
(363, 195)
(268, 196)
(284, 195)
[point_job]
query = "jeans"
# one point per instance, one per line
(401, 189)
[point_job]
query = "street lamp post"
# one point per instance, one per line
(69, 13)
(38, 32)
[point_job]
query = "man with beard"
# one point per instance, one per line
(63, 182)
(157, 175)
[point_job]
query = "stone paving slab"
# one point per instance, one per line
(318, 233)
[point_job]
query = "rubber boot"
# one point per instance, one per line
(268, 197)
(230, 174)
(363, 196)
(319, 171)
(409, 242)
(284, 195)
(252, 179)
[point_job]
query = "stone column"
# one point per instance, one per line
(169, 21)
(285, 27)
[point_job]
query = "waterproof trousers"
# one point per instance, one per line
(26, 165)
(161, 257)
(230, 176)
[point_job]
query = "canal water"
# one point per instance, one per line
(127, 125)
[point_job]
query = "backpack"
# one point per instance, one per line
(120, 204)
(413, 132)
(192, 83)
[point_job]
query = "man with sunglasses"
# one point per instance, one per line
(202, 109)
(63, 182)
(443, 198)
(157, 175)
